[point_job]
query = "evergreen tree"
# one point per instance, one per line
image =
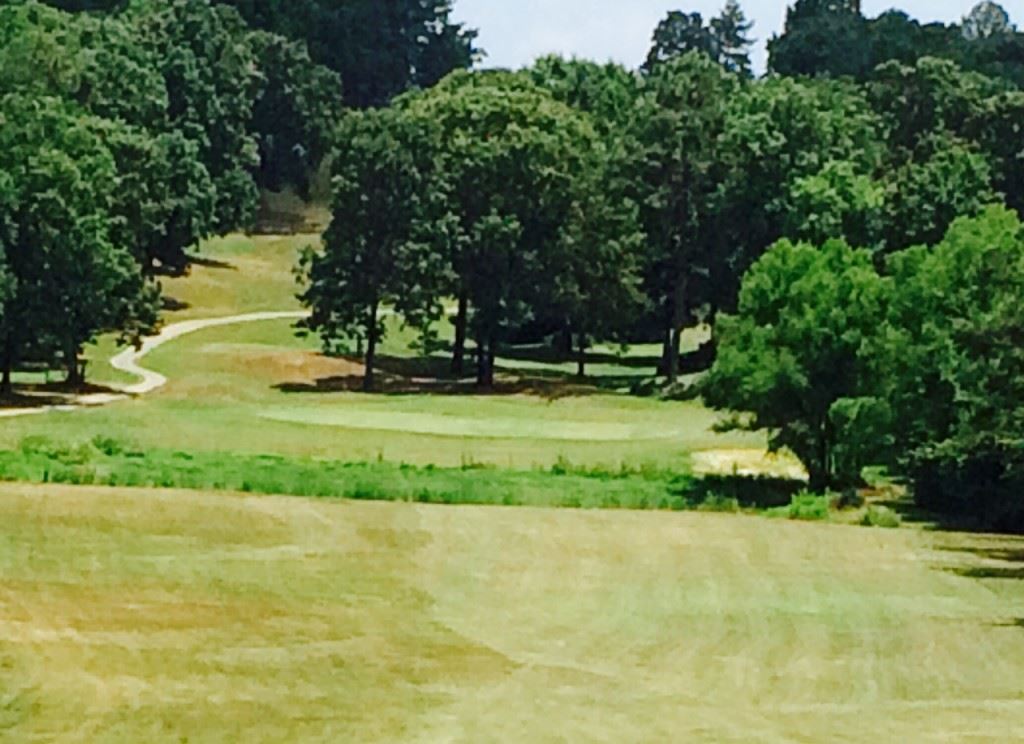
(732, 32)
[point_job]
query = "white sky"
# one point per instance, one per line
(515, 32)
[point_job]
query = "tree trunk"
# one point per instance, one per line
(492, 353)
(566, 341)
(75, 378)
(666, 345)
(485, 363)
(6, 384)
(371, 350)
(678, 315)
(459, 349)
(581, 370)
(821, 471)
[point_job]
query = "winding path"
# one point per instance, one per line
(129, 361)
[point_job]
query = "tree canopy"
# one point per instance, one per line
(725, 38)
(379, 47)
(833, 38)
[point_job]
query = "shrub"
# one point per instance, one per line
(109, 446)
(718, 503)
(881, 516)
(805, 506)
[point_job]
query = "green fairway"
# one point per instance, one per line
(180, 616)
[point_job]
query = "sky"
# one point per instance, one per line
(515, 32)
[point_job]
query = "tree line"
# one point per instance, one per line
(853, 239)
(833, 37)
(133, 130)
(595, 203)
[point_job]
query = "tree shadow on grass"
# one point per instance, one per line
(172, 305)
(211, 263)
(403, 386)
(49, 394)
(396, 375)
(545, 354)
(926, 519)
(750, 492)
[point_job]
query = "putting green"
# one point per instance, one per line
(484, 427)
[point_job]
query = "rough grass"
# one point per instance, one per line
(130, 616)
(110, 462)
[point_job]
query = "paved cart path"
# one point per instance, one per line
(130, 361)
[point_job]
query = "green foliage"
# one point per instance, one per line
(298, 106)
(805, 507)
(925, 197)
(725, 39)
(72, 280)
(953, 366)
(795, 353)
(609, 93)
(113, 462)
(825, 37)
(837, 201)
(165, 199)
(207, 60)
(778, 133)
(863, 432)
(881, 516)
(678, 133)
(378, 250)
(515, 165)
(379, 47)
(822, 37)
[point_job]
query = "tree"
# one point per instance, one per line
(512, 155)
(724, 39)
(206, 57)
(165, 198)
(837, 202)
(375, 251)
(298, 105)
(72, 281)
(379, 47)
(933, 97)
(597, 274)
(952, 368)
(831, 38)
(986, 20)
(732, 29)
(996, 128)
(777, 132)
(678, 34)
(924, 197)
(794, 361)
(678, 133)
(822, 37)
(608, 93)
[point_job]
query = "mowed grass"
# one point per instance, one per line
(160, 616)
(225, 395)
(228, 392)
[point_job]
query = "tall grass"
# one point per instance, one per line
(109, 462)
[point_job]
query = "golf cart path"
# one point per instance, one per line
(129, 361)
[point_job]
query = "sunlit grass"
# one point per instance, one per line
(153, 616)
